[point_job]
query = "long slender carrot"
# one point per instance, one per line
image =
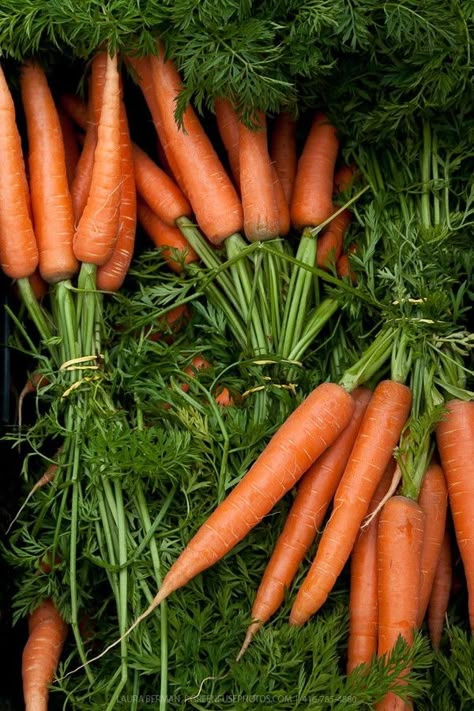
(18, 249)
(314, 494)
(229, 127)
(440, 592)
(363, 605)
(311, 203)
(96, 233)
(51, 202)
(283, 152)
(433, 499)
(399, 551)
(47, 634)
(169, 239)
(284, 222)
(378, 435)
(455, 438)
(71, 146)
(209, 189)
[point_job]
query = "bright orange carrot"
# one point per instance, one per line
(18, 249)
(433, 500)
(455, 438)
(261, 218)
(97, 231)
(38, 285)
(283, 152)
(228, 125)
(47, 634)
(379, 433)
(311, 203)
(50, 196)
(314, 495)
(399, 550)
(71, 146)
(440, 592)
(169, 239)
(209, 189)
(363, 606)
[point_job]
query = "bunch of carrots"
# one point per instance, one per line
(267, 243)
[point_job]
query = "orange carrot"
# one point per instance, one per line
(331, 242)
(311, 203)
(170, 324)
(284, 222)
(76, 109)
(32, 383)
(209, 189)
(343, 265)
(97, 231)
(44, 480)
(38, 285)
(399, 550)
(363, 606)
(229, 126)
(261, 218)
(440, 592)
(283, 152)
(47, 634)
(168, 239)
(71, 146)
(433, 500)
(50, 196)
(222, 397)
(455, 438)
(312, 500)
(18, 250)
(378, 435)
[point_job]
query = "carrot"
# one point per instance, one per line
(168, 239)
(76, 109)
(228, 127)
(311, 203)
(283, 152)
(96, 233)
(378, 435)
(363, 606)
(331, 242)
(433, 500)
(18, 249)
(38, 285)
(399, 551)
(71, 147)
(47, 634)
(110, 276)
(261, 218)
(209, 189)
(343, 265)
(44, 480)
(51, 202)
(440, 591)
(312, 500)
(455, 439)
(30, 387)
(222, 397)
(170, 324)
(284, 222)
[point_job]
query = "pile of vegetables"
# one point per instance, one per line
(242, 260)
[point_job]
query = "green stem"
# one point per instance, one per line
(372, 359)
(36, 314)
(435, 172)
(426, 176)
(317, 321)
(86, 307)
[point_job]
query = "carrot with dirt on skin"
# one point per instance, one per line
(283, 152)
(18, 248)
(47, 634)
(433, 499)
(331, 242)
(363, 606)
(313, 497)
(166, 237)
(378, 435)
(311, 202)
(440, 592)
(228, 125)
(455, 439)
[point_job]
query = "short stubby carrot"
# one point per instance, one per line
(229, 126)
(283, 152)
(168, 238)
(455, 439)
(311, 202)
(51, 201)
(399, 550)
(313, 497)
(47, 634)
(440, 592)
(18, 249)
(378, 435)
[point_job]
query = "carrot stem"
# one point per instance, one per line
(426, 176)
(372, 359)
(316, 322)
(36, 313)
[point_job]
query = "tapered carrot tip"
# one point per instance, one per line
(251, 631)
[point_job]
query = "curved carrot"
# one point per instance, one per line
(399, 550)
(314, 494)
(209, 189)
(440, 592)
(169, 239)
(18, 249)
(433, 499)
(363, 606)
(378, 435)
(283, 152)
(228, 125)
(47, 634)
(311, 203)
(455, 438)
(96, 233)
(50, 196)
